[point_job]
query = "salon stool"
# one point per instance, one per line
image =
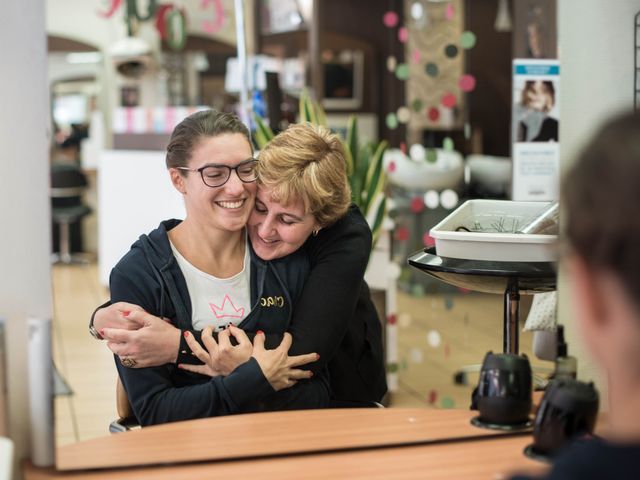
(68, 184)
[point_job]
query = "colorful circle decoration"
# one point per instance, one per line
(451, 51)
(391, 63)
(447, 144)
(417, 204)
(402, 234)
(417, 152)
(449, 199)
(416, 105)
(392, 319)
(391, 121)
(390, 19)
(403, 34)
(431, 69)
(434, 114)
(403, 147)
(417, 11)
(432, 155)
(467, 40)
(448, 11)
(449, 100)
(391, 167)
(404, 114)
(467, 83)
(434, 339)
(433, 397)
(402, 71)
(431, 200)
(428, 241)
(416, 56)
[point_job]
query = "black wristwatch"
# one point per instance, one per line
(92, 330)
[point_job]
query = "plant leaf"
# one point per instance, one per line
(321, 115)
(375, 176)
(377, 223)
(348, 160)
(263, 134)
(352, 140)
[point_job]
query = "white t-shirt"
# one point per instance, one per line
(216, 301)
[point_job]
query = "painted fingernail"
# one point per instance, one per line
(101, 332)
(126, 314)
(317, 356)
(186, 334)
(260, 332)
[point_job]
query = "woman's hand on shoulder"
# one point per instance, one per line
(221, 357)
(277, 366)
(155, 342)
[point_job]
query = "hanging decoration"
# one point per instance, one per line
(170, 21)
(467, 40)
(115, 4)
(467, 83)
(215, 25)
(161, 19)
(449, 12)
(176, 26)
(390, 19)
(403, 34)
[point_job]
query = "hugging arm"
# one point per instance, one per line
(321, 315)
(328, 301)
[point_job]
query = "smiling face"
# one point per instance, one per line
(276, 230)
(226, 207)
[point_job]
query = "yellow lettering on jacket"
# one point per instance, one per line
(274, 301)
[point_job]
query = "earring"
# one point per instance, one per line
(315, 232)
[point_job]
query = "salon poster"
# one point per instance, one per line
(534, 133)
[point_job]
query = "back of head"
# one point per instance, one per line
(203, 124)
(602, 194)
(307, 162)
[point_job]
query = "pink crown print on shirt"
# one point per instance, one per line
(227, 310)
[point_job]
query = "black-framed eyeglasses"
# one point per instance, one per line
(216, 175)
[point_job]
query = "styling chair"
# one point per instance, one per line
(68, 184)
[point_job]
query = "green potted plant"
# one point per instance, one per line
(364, 162)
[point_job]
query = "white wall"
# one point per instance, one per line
(25, 280)
(596, 51)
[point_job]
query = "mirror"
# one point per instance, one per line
(439, 329)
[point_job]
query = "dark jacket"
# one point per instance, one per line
(149, 276)
(334, 316)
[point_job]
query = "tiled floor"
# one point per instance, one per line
(438, 333)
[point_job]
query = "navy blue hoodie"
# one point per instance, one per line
(149, 276)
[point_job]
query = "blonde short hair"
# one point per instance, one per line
(307, 162)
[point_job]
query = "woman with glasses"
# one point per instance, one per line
(201, 272)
